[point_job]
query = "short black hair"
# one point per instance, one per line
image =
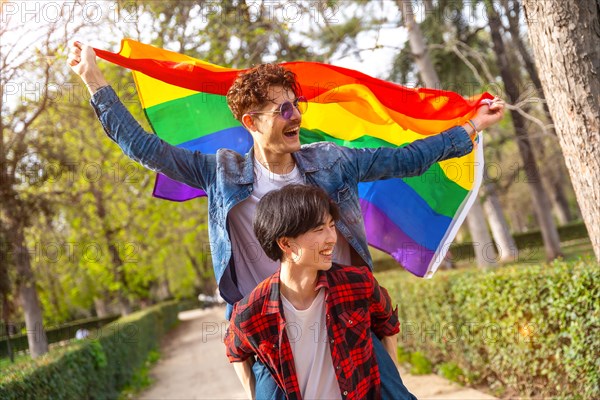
(290, 212)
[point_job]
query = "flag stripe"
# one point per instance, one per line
(182, 120)
(379, 193)
(316, 79)
(384, 235)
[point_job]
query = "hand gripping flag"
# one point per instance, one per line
(412, 219)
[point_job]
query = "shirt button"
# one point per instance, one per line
(331, 341)
(350, 322)
(338, 367)
(345, 393)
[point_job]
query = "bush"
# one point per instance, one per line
(403, 355)
(420, 364)
(96, 368)
(532, 329)
(54, 335)
(452, 372)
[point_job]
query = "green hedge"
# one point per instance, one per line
(54, 335)
(95, 368)
(532, 330)
(524, 241)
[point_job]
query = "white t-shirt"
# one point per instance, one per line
(307, 333)
(252, 265)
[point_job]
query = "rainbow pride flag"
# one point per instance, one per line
(413, 219)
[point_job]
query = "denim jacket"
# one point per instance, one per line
(228, 177)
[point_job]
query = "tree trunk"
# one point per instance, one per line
(565, 37)
(485, 252)
(119, 273)
(55, 293)
(164, 289)
(101, 308)
(500, 230)
(513, 16)
(556, 182)
(540, 200)
(113, 249)
(418, 47)
(199, 270)
(5, 291)
(28, 297)
(7, 327)
(560, 204)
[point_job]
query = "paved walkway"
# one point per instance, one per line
(193, 365)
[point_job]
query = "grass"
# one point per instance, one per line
(572, 250)
(19, 358)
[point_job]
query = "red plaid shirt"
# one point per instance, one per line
(355, 306)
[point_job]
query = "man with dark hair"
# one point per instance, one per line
(266, 101)
(310, 322)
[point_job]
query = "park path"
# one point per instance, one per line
(193, 365)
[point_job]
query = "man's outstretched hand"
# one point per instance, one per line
(489, 113)
(82, 60)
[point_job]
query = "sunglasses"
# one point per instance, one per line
(286, 109)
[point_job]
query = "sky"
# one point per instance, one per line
(373, 62)
(24, 23)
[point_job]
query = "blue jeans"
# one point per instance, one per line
(392, 387)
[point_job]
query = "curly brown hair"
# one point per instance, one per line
(250, 90)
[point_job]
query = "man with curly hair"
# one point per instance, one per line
(266, 100)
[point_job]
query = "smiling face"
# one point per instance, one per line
(273, 135)
(314, 249)
(297, 222)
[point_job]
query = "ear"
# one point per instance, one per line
(248, 123)
(284, 245)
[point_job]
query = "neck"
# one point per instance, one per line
(297, 284)
(277, 163)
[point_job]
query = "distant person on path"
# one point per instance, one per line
(82, 334)
(266, 100)
(310, 322)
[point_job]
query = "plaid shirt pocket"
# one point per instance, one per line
(356, 325)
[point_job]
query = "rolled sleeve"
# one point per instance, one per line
(461, 143)
(103, 99)
(384, 319)
(236, 344)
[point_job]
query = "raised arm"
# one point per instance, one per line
(414, 159)
(190, 167)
